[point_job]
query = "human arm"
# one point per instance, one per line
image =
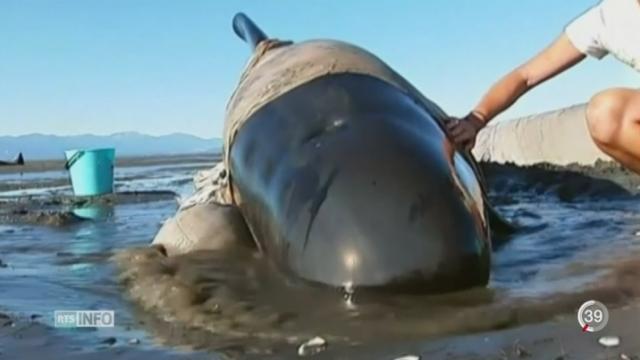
(556, 58)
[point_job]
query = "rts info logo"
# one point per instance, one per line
(84, 318)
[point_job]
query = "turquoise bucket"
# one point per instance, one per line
(91, 171)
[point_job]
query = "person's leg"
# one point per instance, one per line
(613, 117)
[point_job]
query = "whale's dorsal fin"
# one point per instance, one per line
(19, 159)
(247, 30)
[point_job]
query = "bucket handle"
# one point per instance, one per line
(72, 160)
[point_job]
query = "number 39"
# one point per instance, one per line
(593, 316)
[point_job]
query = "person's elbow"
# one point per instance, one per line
(524, 79)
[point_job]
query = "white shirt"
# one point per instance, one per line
(612, 26)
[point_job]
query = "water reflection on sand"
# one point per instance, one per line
(575, 242)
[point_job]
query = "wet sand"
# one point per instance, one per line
(48, 165)
(214, 295)
(21, 177)
(234, 305)
(26, 337)
(604, 179)
(63, 210)
(187, 302)
(559, 339)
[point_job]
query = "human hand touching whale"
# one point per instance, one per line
(464, 131)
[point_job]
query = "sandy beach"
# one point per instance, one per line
(28, 338)
(47, 165)
(52, 173)
(234, 305)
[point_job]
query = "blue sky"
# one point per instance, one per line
(160, 66)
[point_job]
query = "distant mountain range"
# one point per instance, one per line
(42, 147)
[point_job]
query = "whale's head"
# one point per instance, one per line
(348, 180)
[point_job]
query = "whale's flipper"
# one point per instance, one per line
(208, 226)
(501, 228)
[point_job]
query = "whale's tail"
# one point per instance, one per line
(247, 30)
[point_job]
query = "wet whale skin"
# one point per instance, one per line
(346, 180)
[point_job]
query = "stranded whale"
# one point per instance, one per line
(19, 160)
(343, 174)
